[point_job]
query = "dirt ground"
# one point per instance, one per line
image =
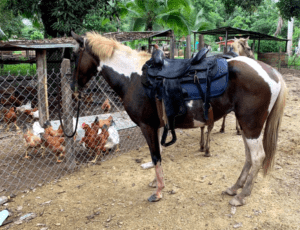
(114, 195)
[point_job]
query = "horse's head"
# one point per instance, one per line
(241, 47)
(85, 63)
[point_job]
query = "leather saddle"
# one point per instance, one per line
(170, 81)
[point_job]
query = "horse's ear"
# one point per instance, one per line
(78, 38)
(156, 46)
(235, 38)
(247, 38)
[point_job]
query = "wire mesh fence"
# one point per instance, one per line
(33, 147)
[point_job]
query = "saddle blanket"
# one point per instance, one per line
(218, 83)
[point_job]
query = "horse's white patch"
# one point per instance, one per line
(256, 149)
(123, 63)
(198, 124)
(190, 104)
(275, 87)
(99, 68)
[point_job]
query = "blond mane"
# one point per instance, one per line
(105, 48)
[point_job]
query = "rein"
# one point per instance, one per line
(79, 99)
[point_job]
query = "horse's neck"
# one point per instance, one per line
(122, 71)
(120, 83)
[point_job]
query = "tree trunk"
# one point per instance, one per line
(290, 37)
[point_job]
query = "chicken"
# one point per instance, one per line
(54, 144)
(10, 117)
(50, 131)
(31, 140)
(94, 141)
(12, 100)
(106, 107)
(113, 139)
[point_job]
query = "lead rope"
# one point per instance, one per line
(79, 100)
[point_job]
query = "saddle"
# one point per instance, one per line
(174, 81)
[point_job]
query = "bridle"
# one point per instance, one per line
(79, 96)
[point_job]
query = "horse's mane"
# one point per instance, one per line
(105, 48)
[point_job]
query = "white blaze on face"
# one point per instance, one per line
(190, 104)
(123, 63)
(274, 86)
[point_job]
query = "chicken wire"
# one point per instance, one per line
(18, 173)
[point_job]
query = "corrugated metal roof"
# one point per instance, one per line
(237, 32)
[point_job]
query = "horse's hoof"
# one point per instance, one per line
(154, 198)
(229, 192)
(207, 155)
(237, 202)
(238, 133)
(222, 131)
(201, 149)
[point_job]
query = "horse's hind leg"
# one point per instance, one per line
(245, 171)
(237, 126)
(257, 154)
(202, 139)
(222, 130)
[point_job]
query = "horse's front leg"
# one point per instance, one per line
(207, 145)
(152, 137)
(237, 126)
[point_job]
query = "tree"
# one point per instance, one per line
(289, 8)
(59, 17)
(9, 24)
(156, 14)
(249, 5)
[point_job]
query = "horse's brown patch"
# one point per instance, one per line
(248, 80)
(270, 71)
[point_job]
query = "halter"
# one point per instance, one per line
(79, 96)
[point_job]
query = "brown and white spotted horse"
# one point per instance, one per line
(239, 46)
(256, 93)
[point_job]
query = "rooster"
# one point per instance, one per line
(106, 107)
(10, 117)
(31, 140)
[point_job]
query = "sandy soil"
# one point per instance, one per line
(114, 195)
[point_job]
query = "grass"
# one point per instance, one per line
(18, 69)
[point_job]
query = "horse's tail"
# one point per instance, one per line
(272, 128)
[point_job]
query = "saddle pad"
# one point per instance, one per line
(218, 85)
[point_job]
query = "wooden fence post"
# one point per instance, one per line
(279, 63)
(66, 95)
(42, 86)
(188, 46)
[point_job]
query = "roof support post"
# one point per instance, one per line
(258, 49)
(226, 38)
(172, 45)
(195, 42)
(41, 64)
(149, 44)
(201, 42)
(188, 46)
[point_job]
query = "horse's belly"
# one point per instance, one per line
(193, 117)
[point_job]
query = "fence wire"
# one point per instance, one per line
(30, 153)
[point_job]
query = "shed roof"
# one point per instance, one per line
(238, 33)
(65, 42)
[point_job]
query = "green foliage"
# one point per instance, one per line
(18, 69)
(148, 15)
(249, 5)
(59, 17)
(32, 33)
(289, 8)
(10, 24)
(269, 46)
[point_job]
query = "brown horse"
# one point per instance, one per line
(240, 46)
(256, 93)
